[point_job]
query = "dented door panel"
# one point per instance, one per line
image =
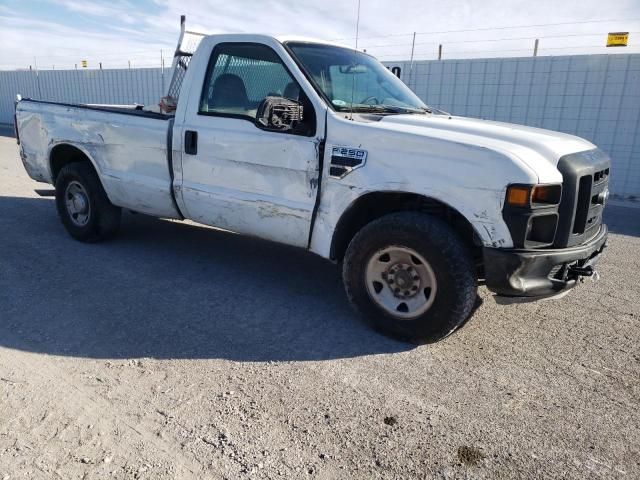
(244, 178)
(250, 181)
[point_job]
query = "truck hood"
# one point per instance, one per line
(537, 148)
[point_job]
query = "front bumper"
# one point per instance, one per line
(535, 274)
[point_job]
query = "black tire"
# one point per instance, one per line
(103, 217)
(447, 257)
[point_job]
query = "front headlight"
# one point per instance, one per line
(531, 213)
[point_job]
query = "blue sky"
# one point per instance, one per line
(61, 33)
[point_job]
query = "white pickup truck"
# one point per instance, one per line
(319, 146)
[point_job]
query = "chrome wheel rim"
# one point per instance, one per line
(401, 282)
(77, 202)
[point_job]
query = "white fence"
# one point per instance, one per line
(594, 96)
(122, 86)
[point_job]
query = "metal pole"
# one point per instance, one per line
(100, 65)
(440, 52)
(35, 63)
(162, 70)
(413, 46)
(535, 48)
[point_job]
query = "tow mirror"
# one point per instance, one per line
(279, 114)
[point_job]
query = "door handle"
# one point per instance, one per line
(191, 142)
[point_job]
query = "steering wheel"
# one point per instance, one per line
(372, 98)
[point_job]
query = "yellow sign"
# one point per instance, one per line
(618, 39)
(84, 64)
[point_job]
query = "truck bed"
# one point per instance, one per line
(127, 146)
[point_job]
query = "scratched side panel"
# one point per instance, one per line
(34, 138)
(128, 152)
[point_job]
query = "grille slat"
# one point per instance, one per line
(584, 201)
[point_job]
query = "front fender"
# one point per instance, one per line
(480, 207)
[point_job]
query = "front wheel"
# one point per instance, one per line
(410, 276)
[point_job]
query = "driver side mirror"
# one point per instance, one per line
(278, 114)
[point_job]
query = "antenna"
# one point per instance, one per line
(353, 75)
(358, 25)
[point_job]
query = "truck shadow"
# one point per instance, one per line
(168, 290)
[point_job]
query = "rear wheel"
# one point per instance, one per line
(410, 276)
(83, 206)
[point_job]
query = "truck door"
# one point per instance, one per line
(236, 175)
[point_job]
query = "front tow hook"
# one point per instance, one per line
(581, 272)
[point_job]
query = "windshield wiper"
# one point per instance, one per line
(386, 109)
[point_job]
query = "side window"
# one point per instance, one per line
(240, 76)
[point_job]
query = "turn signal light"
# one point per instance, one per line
(529, 195)
(519, 196)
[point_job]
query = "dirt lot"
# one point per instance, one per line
(184, 352)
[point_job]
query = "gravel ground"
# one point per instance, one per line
(184, 352)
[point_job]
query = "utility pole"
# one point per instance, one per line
(35, 63)
(535, 48)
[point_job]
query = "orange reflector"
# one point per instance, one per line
(518, 196)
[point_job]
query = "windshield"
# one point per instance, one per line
(353, 80)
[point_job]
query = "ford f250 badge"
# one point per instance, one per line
(346, 159)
